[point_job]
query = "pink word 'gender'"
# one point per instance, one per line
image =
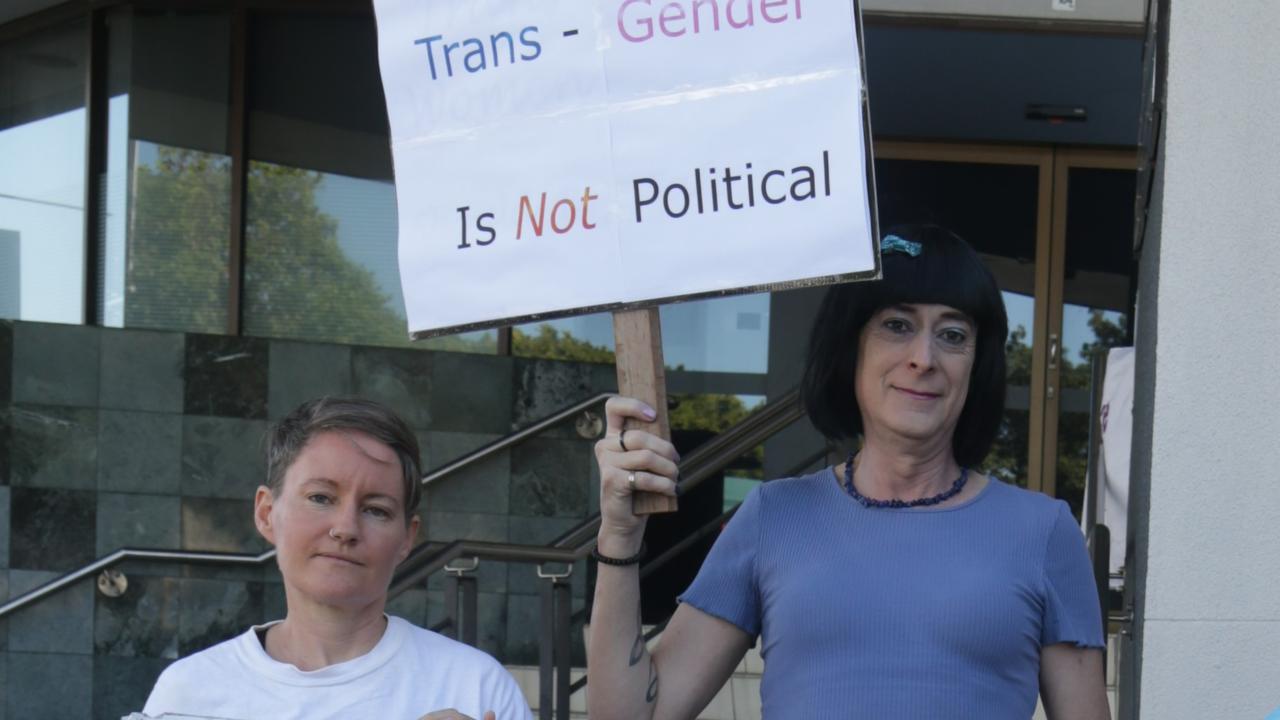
(638, 22)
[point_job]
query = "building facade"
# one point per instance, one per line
(198, 230)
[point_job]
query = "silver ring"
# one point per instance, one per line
(620, 443)
(631, 481)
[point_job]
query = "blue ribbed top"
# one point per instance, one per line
(902, 614)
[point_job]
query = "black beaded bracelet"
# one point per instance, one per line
(633, 560)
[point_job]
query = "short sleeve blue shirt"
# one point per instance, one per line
(914, 613)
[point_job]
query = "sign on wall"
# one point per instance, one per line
(558, 156)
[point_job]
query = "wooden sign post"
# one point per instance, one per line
(637, 337)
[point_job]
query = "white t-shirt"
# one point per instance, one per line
(410, 672)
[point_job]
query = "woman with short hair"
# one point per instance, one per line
(902, 583)
(339, 505)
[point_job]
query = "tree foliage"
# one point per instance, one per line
(176, 271)
(1009, 456)
(552, 344)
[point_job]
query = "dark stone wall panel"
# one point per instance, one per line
(55, 364)
(53, 447)
(142, 370)
(545, 386)
(219, 525)
(6, 362)
(471, 393)
(138, 521)
(4, 542)
(60, 623)
(481, 488)
(303, 371)
(549, 478)
(121, 685)
(226, 376)
(399, 379)
(139, 452)
(222, 457)
(213, 611)
(51, 529)
(32, 695)
(143, 622)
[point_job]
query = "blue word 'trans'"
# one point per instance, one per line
(475, 55)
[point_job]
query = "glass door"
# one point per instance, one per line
(1091, 292)
(1055, 227)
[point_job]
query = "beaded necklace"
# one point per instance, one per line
(943, 496)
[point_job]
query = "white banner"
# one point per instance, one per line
(1117, 442)
(553, 156)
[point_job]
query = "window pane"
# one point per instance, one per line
(729, 334)
(585, 338)
(176, 274)
(1099, 271)
(42, 136)
(164, 242)
(321, 258)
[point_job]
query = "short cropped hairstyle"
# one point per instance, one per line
(947, 272)
(287, 438)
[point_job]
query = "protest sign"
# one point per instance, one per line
(560, 156)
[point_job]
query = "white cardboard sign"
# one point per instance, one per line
(558, 156)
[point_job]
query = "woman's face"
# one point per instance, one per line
(913, 371)
(338, 522)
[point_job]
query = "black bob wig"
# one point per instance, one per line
(947, 272)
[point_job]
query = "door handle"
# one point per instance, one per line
(1053, 351)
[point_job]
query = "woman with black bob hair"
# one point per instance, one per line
(950, 273)
(902, 583)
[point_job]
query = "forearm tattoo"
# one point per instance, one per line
(637, 654)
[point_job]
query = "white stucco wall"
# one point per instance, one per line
(1211, 629)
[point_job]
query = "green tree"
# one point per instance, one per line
(176, 272)
(298, 280)
(552, 344)
(1008, 457)
(715, 413)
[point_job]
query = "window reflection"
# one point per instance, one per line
(42, 134)
(1096, 292)
(729, 335)
(321, 259)
(585, 338)
(176, 273)
(1010, 451)
(164, 241)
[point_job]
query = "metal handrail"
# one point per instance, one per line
(514, 438)
(577, 542)
(196, 556)
(107, 561)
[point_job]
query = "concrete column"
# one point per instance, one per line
(1205, 516)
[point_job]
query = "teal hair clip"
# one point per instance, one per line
(893, 243)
